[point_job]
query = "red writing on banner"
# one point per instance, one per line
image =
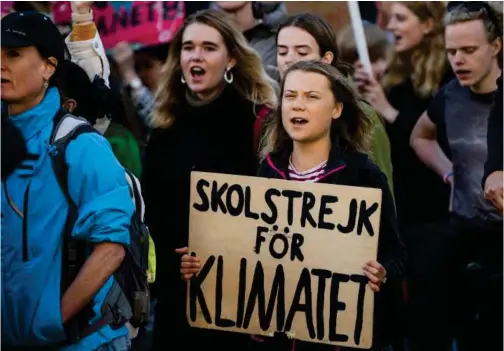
(144, 23)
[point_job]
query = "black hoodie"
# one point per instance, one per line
(355, 169)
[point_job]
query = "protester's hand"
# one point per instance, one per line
(81, 7)
(448, 179)
(493, 189)
(361, 76)
(189, 265)
(374, 94)
(124, 57)
(376, 274)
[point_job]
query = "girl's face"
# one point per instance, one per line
(23, 74)
(308, 106)
(204, 59)
(295, 44)
(407, 28)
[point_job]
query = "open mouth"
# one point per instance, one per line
(462, 72)
(397, 38)
(5, 80)
(197, 71)
(298, 121)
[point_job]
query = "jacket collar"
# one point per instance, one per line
(279, 161)
(32, 121)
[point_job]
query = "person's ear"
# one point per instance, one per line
(338, 110)
(428, 26)
(50, 68)
(328, 57)
(231, 64)
(497, 46)
(70, 105)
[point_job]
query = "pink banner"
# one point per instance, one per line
(6, 7)
(141, 23)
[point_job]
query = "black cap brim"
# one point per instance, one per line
(10, 40)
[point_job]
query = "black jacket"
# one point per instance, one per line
(412, 178)
(355, 169)
(217, 137)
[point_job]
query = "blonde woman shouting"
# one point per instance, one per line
(211, 89)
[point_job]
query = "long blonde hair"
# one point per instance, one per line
(426, 64)
(352, 128)
(250, 78)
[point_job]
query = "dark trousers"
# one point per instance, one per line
(430, 281)
(478, 290)
(455, 285)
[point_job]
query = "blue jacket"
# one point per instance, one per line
(96, 182)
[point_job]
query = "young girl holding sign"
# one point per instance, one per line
(319, 135)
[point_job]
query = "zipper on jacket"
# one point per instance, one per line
(25, 223)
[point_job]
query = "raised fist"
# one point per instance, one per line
(81, 7)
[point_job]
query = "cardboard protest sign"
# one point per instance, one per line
(283, 256)
(141, 23)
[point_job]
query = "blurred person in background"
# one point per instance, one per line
(383, 15)
(416, 70)
(258, 21)
(377, 43)
(493, 176)
(143, 64)
(460, 112)
(87, 99)
(377, 13)
(140, 71)
(86, 50)
(90, 96)
(211, 88)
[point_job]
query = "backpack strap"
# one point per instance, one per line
(141, 250)
(67, 128)
(134, 186)
(258, 125)
(115, 309)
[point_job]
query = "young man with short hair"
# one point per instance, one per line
(460, 110)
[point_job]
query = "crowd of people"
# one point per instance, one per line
(245, 89)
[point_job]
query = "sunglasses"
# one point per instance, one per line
(475, 6)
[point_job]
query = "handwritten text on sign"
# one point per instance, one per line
(283, 256)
